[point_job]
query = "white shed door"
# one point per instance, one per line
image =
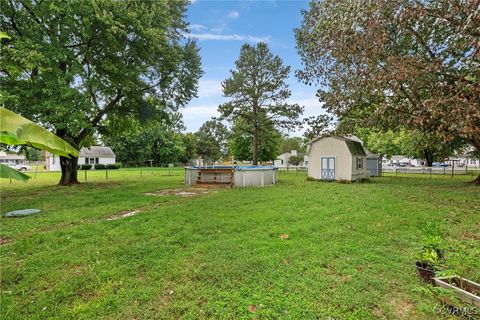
(328, 168)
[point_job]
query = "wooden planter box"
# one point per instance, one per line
(466, 290)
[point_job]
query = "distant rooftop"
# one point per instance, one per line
(97, 151)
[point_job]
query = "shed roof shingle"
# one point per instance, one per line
(354, 146)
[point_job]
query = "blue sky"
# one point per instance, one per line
(221, 28)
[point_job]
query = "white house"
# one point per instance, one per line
(93, 155)
(283, 161)
(11, 158)
(337, 158)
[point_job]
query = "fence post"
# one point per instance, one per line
(106, 174)
(85, 174)
(141, 173)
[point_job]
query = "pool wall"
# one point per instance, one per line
(244, 176)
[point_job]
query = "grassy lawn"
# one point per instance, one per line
(349, 254)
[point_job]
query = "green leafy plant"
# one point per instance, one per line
(113, 166)
(100, 166)
(17, 130)
(85, 167)
(432, 253)
(428, 256)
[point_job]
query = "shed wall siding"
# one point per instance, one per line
(330, 147)
(360, 173)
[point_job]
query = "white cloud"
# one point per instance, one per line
(227, 37)
(200, 112)
(233, 14)
(197, 27)
(209, 89)
(312, 106)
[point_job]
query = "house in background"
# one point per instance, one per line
(401, 161)
(11, 158)
(283, 161)
(93, 155)
(465, 160)
(337, 158)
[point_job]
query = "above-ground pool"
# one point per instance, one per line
(231, 176)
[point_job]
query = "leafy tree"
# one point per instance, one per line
(405, 62)
(292, 143)
(212, 140)
(317, 126)
(241, 142)
(295, 160)
(136, 142)
(80, 63)
(189, 144)
(413, 144)
(32, 154)
(258, 92)
(383, 143)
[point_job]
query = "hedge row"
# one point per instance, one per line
(99, 166)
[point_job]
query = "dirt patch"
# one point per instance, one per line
(179, 192)
(378, 312)
(470, 236)
(4, 241)
(124, 214)
(402, 308)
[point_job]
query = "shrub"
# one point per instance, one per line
(85, 167)
(99, 166)
(113, 166)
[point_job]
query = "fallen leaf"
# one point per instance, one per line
(252, 308)
(285, 261)
(284, 236)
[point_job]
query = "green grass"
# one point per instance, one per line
(350, 250)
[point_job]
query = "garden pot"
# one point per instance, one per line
(425, 271)
(466, 290)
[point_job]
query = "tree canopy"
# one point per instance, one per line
(212, 140)
(258, 92)
(292, 143)
(78, 63)
(241, 142)
(136, 143)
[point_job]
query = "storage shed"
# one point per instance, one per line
(337, 158)
(374, 164)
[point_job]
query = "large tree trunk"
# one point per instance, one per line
(255, 147)
(476, 181)
(428, 157)
(476, 145)
(69, 171)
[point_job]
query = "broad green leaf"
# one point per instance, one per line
(16, 130)
(10, 173)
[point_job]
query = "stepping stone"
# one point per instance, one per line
(21, 213)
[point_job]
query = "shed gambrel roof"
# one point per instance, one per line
(355, 147)
(97, 151)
